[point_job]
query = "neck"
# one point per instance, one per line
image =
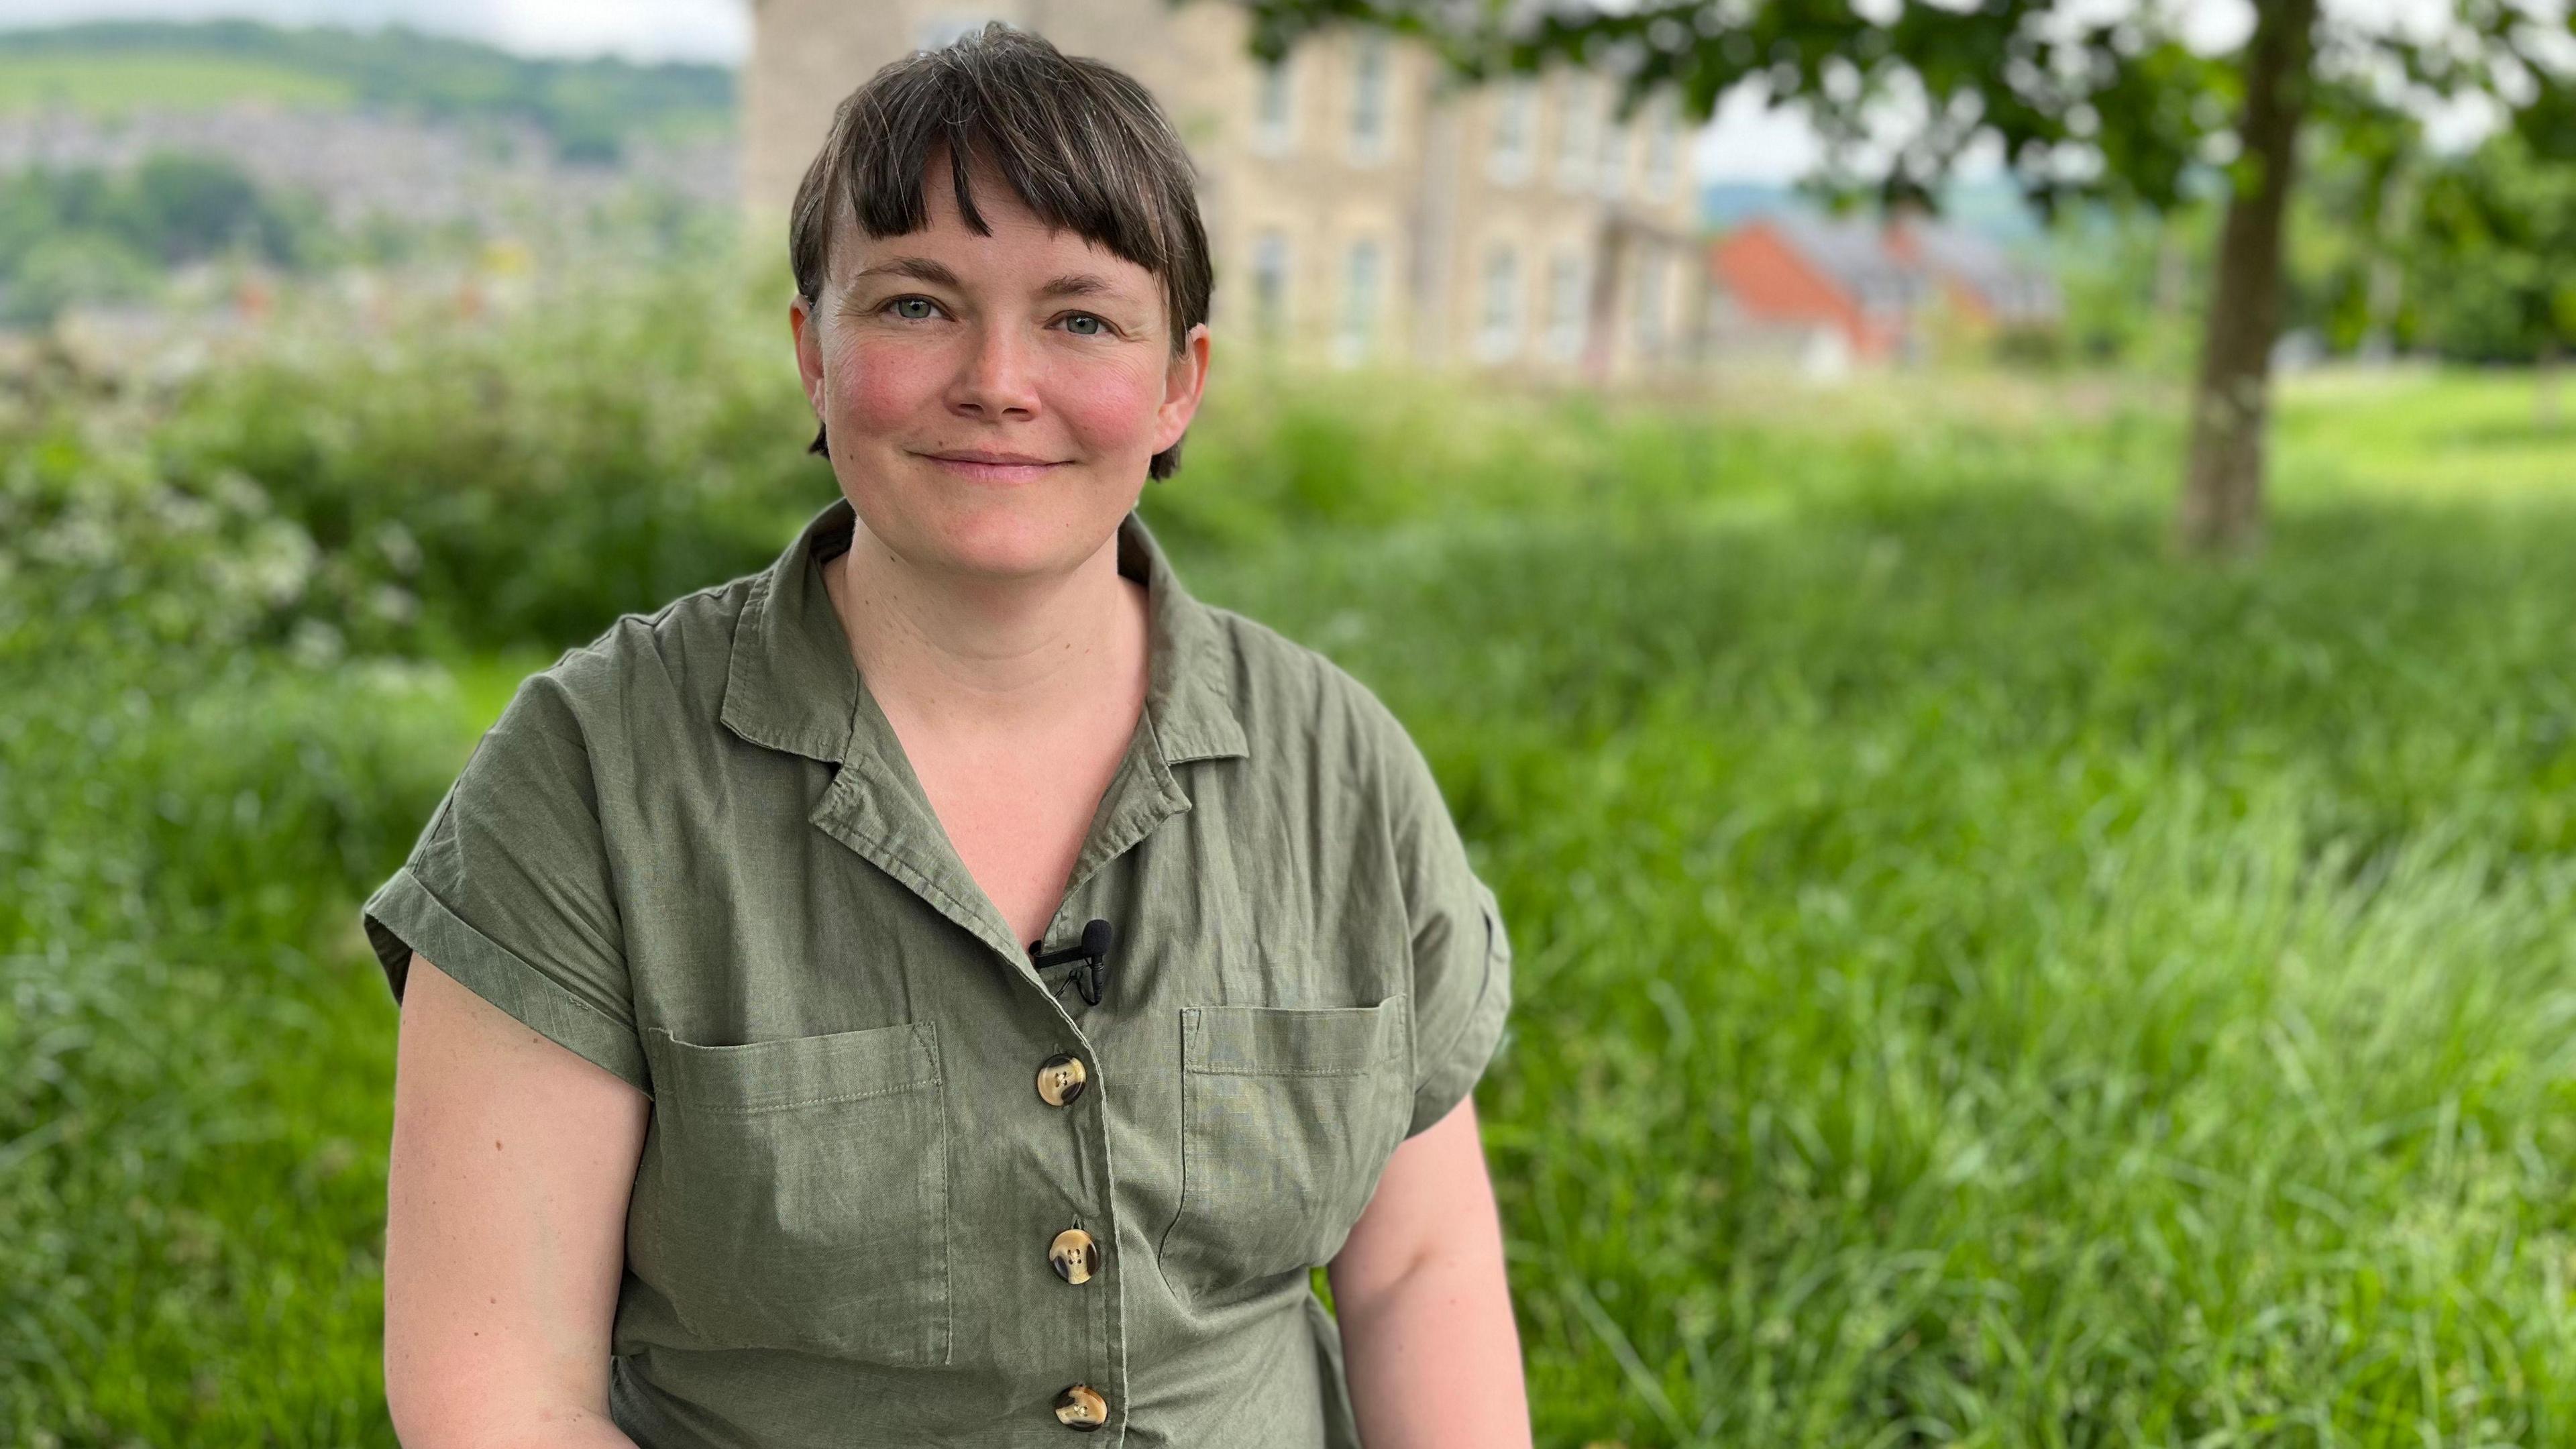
(983, 657)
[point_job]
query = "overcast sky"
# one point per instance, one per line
(1746, 142)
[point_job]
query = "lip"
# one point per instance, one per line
(987, 466)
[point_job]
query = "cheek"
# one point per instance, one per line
(878, 389)
(1106, 403)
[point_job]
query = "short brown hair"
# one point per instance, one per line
(1084, 146)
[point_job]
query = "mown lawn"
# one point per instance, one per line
(1978, 980)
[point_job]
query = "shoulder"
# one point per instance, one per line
(1297, 704)
(645, 671)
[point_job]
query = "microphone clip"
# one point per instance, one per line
(1089, 958)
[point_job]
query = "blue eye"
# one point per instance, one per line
(910, 301)
(1085, 317)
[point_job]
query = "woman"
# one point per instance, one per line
(949, 987)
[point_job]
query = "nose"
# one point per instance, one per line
(997, 377)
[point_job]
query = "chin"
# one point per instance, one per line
(1007, 535)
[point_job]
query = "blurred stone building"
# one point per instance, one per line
(1362, 205)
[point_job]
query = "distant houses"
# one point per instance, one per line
(499, 173)
(1829, 293)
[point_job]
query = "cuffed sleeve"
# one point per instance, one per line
(1462, 956)
(1461, 1022)
(509, 889)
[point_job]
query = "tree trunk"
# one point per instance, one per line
(2222, 499)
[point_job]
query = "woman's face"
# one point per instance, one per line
(992, 402)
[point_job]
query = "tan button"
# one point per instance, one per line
(1080, 1408)
(1075, 1256)
(1061, 1079)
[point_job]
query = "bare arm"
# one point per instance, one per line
(505, 1227)
(1428, 1343)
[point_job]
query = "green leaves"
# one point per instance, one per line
(2084, 101)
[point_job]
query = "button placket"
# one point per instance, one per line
(1074, 1255)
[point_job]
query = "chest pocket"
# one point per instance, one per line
(797, 1193)
(1288, 1116)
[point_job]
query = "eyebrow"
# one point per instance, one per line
(1078, 284)
(923, 269)
(919, 268)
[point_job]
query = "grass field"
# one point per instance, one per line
(1980, 981)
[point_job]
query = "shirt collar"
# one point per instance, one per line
(793, 686)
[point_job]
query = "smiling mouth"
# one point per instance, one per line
(990, 470)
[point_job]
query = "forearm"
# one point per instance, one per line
(1433, 1358)
(456, 1376)
(449, 1396)
(546, 1429)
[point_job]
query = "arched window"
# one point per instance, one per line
(1274, 109)
(1566, 283)
(1270, 286)
(1515, 112)
(1372, 86)
(1356, 337)
(1498, 325)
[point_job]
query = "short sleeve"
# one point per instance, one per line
(1462, 957)
(508, 889)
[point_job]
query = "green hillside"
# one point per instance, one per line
(589, 106)
(109, 83)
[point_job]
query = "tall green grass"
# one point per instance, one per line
(1979, 980)
(192, 1119)
(1982, 983)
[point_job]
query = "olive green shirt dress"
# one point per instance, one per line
(905, 1182)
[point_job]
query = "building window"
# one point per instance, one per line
(1356, 338)
(1274, 109)
(1611, 170)
(1650, 306)
(1515, 111)
(1575, 140)
(1663, 146)
(1371, 64)
(1565, 286)
(1269, 286)
(1498, 331)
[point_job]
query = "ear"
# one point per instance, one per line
(1184, 380)
(806, 327)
